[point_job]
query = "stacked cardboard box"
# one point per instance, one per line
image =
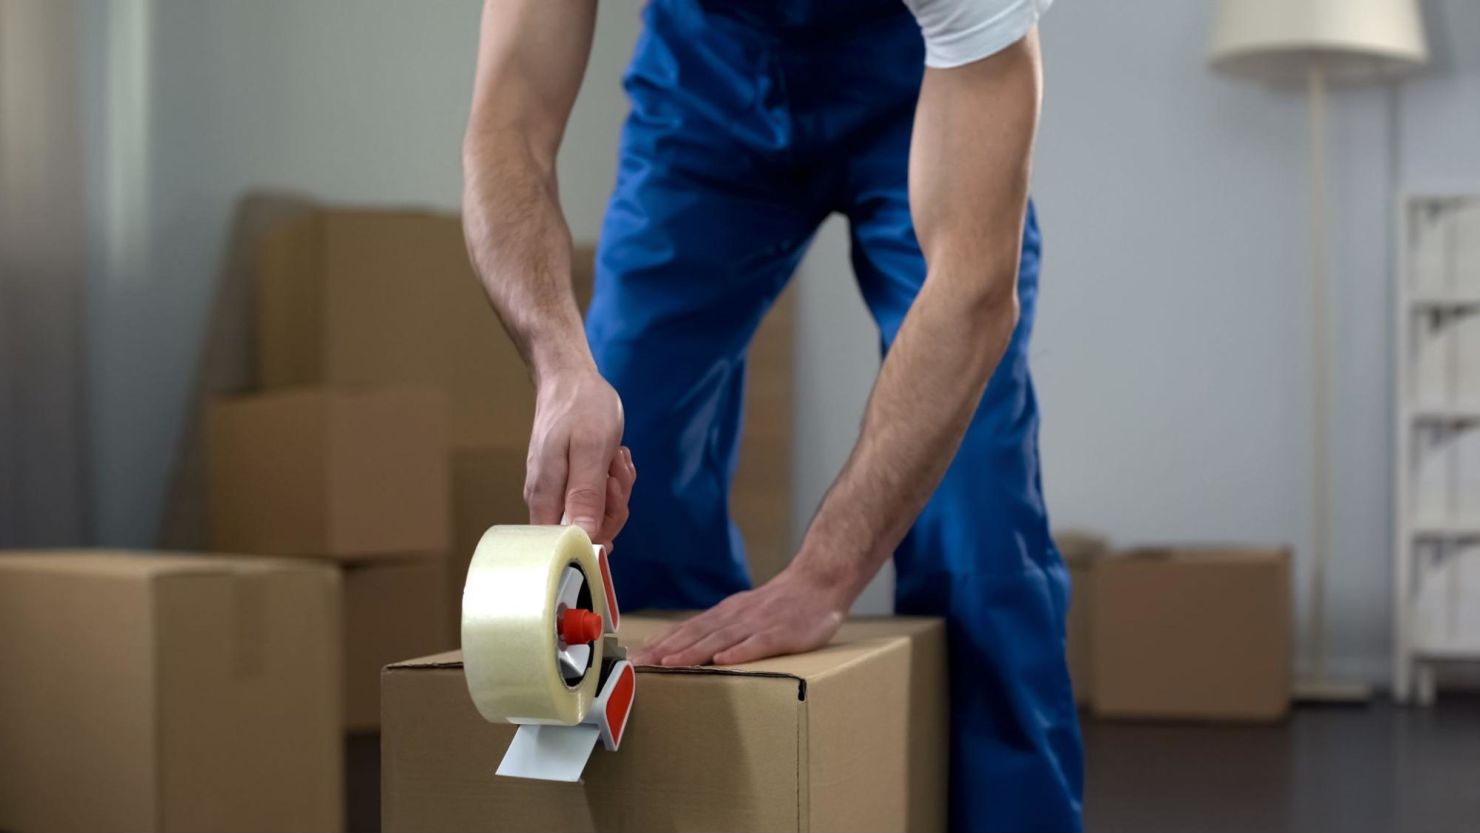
(144, 691)
(851, 737)
(348, 474)
(370, 330)
(356, 298)
(358, 477)
(374, 298)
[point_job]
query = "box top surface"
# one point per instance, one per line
(339, 232)
(321, 217)
(379, 212)
(1202, 554)
(317, 396)
(141, 564)
(1079, 547)
(857, 641)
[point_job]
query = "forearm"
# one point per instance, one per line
(531, 56)
(927, 391)
(520, 245)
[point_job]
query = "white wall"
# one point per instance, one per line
(1174, 350)
(1172, 347)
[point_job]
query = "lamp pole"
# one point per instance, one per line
(1319, 41)
(1317, 685)
(1320, 391)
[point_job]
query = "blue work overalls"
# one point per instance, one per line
(751, 122)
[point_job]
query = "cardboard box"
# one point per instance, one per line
(371, 297)
(330, 473)
(487, 489)
(852, 737)
(168, 692)
(392, 611)
(1193, 633)
(1080, 551)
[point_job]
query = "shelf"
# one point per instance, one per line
(1429, 300)
(1436, 302)
(1443, 413)
(1446, 653)
(1451, 530)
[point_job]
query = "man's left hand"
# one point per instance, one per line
(794, 612)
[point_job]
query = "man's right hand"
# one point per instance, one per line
(578, 470)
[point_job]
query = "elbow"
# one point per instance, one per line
(510, 142)
(481, 148)
(992, 300)
(1003, 305)
(474, 142)
(995, 312)
(982, 307)
(473, 156)
(992, 310)
(980, 283)
(976, 297)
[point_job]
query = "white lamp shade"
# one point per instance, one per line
(1347, 40)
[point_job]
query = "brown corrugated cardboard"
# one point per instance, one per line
(392, 611)
(168, 692)
(852, 737)
(346, 474)
(1193, 633)
(487, 489)
(1080, 551)
(370, 297)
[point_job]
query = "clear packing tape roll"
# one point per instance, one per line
(511, 646)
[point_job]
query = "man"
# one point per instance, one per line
(750, 123)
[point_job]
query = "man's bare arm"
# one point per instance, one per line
(531, 57)
(969, 165)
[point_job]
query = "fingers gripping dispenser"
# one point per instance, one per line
(539, 624)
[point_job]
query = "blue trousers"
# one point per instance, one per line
(739, 143)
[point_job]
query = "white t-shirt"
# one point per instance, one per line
(961, 31)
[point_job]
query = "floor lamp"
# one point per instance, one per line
(1316, 42)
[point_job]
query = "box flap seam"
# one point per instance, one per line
(422, 665)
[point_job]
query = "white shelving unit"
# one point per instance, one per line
(1436, 564)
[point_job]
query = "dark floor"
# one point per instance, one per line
(1345, 769)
